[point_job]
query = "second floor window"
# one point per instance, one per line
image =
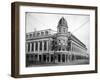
(30, 35)
(46, 32)
(38, 34)
(32, 48)
(42, 33)
(36, 46)
(45, 47)
(40, 45)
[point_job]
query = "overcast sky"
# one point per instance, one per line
(79, 25)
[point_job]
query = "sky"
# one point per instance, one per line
(79, 25)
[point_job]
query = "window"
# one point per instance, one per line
(38, 34)
(64, 30)
(52, 57)
(36, 46)
(59, 58)
(32, 48)
(40, 45)
(40, 58)
(36, 56)
(45, 47)
(44, 57)
(42, 33)
(30, 35)
(63, 57)
(46, 32)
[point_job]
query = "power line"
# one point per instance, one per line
(82, 25)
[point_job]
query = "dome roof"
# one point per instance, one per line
(62, 22)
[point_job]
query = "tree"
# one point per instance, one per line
(54, 46)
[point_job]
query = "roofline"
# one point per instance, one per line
(77, 39)
(41, 30)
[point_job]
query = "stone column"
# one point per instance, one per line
(71, 52)
(68, 58)
(30, 46)
(26, 48)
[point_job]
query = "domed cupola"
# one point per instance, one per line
(62, 26)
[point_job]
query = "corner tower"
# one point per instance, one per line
(62, 26)
(62, 34)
